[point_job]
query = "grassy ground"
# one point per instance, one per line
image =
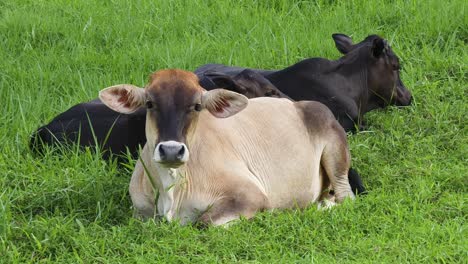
(75, 208)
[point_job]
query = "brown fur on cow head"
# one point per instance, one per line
(384, 82)
(174, 100)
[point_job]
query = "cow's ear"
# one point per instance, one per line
(379, 46)
(343, 43)
(226, 82)
(223, 103)
(123, 98)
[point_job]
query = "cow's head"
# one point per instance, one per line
(248, 82)
(174, 100)
(384, 80)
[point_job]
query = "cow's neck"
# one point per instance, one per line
(171, 187)
(362, 97)
(355, 69)
(357, 63)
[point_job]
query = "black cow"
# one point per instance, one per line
(365, 78)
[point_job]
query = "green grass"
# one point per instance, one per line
(76, 208)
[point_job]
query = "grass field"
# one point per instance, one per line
(75, 208)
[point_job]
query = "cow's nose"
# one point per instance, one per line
(171, 152)
(403, 96)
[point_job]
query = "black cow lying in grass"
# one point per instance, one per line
(365, 78)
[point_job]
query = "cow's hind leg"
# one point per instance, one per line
(356, 182)
(231, 207)
(336, 162)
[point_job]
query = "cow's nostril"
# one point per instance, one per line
(162, 153)
(181, 151)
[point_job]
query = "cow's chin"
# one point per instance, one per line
(170, 165)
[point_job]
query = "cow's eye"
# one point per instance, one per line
(149, 104)
(194, 107)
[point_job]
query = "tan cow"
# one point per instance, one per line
(213, 156)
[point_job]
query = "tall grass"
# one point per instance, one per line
(73, 207)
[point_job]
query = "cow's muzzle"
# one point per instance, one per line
(171, 154)
(403, 96)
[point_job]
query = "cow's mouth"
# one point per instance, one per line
(171, 164)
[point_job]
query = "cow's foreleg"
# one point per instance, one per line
(141, 192)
